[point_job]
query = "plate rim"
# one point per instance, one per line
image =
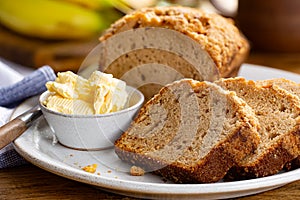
(59, 168)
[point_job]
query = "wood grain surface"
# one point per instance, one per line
(29, 182)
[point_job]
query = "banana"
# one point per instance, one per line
(137, 4)
(50, 19)
(92, 4)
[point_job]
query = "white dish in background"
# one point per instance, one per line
(38, 147)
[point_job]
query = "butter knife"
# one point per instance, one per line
(13, 129)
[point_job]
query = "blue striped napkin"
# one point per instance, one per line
(10, 96)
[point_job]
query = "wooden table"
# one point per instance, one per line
(30, 182)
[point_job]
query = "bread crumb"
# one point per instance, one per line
(136, 171)
(109, 171)
(90, 168)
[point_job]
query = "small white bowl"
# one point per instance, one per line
(92, 132)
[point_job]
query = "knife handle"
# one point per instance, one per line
(11, 131)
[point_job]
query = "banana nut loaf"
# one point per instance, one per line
(278, 113)
(190, 132)
(220, 52)
(293, 88)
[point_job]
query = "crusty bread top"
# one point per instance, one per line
(218, 35)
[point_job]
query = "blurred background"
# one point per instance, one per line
(61, 33)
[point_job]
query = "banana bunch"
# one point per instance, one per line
(56, 19)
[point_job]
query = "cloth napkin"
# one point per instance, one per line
(15, 88)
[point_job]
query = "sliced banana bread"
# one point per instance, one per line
(220, 51)
(190, 132)
(278, 113)
(288, 85)
(293, 88)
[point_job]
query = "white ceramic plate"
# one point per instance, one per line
(38, 146)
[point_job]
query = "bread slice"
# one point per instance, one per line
(190, 132)
(283, 83)
(293, 88)
(278, 113)
(220, 51)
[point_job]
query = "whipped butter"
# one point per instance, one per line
(73, 94)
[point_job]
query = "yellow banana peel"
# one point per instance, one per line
(92, 4)
(50, 19)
